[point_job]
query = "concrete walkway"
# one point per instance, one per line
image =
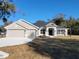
(13, 41)
(3, 55)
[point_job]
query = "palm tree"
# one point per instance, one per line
(7, 8)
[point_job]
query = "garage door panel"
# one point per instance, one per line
(15, 33)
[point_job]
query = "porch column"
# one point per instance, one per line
(46, 32)
(55, 31)
(66, 32)
(38, 32)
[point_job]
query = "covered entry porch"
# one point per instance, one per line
(49, 31)
(52, 31)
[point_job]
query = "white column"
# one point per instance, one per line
(55, 31)
(39, 32)
(46, 33)
(66, 32)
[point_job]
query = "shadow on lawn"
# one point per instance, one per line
(55, 48)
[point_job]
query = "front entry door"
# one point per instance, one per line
(51, 31)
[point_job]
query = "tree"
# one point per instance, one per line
(6, 9)
(77, 22)
(40, 23)
(6, 22)
(59, 19)
(71, 22)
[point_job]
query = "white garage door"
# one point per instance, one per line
(30, 33)
(15, 33)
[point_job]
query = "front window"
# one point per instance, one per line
(60, 31)
(43, 31)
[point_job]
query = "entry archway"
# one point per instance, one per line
(51, 31)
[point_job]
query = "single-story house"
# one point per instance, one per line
(23, 29)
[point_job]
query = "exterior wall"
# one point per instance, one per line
(30, 33)
(37, 33)
(60, 35)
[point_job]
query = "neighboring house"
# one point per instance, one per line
(52, 30)
(21, 29)
(24, 29)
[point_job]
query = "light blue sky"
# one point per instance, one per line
(33, 10)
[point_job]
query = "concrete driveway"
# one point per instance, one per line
(13, 41)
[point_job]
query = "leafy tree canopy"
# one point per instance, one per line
(7, 8)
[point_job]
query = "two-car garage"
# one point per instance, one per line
(21, 29)
(21, 33)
